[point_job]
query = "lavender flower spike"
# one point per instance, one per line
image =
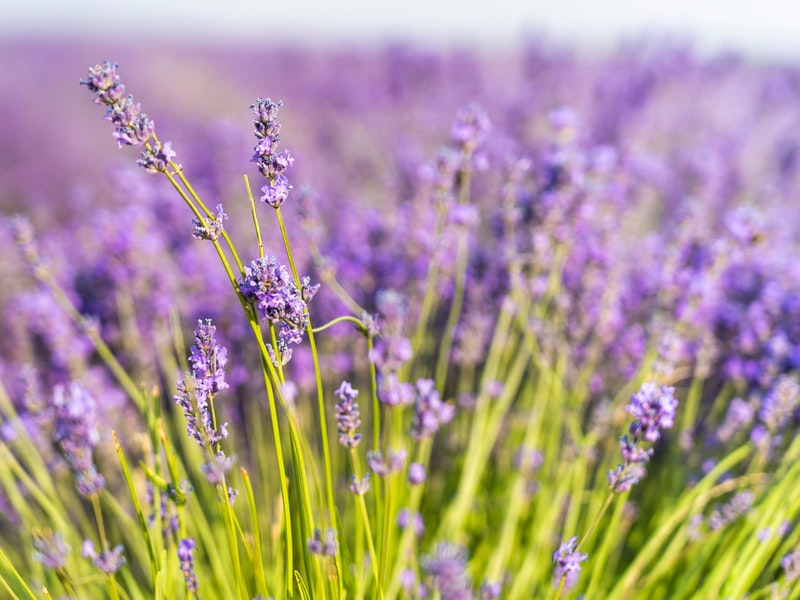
(51, 549)
(347, 415)
(448, 569)
(271, 164)
(567, 561)
(132, 126)
(207, 379)
(108, 561)
(278, 300)
(76, 434)
(186, 548)
(654, 409)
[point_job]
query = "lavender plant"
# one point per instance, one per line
(503, 308)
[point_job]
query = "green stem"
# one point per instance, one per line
(323, 428)
(365, 517)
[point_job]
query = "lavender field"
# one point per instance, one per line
(398, 323)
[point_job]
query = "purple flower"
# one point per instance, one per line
(567, 561)
(381, 466)
(104, 82)
(491, 590)
(216, 468)
(471, 127)
(791, 566)
(132, 126)
(157, 158)
(359, 488)
(430, 413)
(210, 228)
(326, 547)
(51, 549)
(654, 409)
(740, 414)
(276, 191)
(347, 415)
(416, 473)
(197, 392)
(271, 164)
(448, 569)
(277, 299)
(405, 518)
(186, 548)
(108, 561)
(621, 479)
(76, 434)
(778, 406)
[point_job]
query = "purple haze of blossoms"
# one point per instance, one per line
(76, 434)
(207, 379)
(271, 164)
(132, 126)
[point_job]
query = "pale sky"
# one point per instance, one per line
(766, 28)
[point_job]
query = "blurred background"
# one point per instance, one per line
(765, 29)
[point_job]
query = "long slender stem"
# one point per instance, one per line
(320, 396)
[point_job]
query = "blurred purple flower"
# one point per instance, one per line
(186, 547)
(347, 415)
(108, 561)
(326, 547)
(76, 434)
(50, 549)
(430, 413)
(567, 561)
(654, 409)
(447, 567)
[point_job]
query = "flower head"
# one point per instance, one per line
(104, 81)
(323, 547)
(448, 569)
(430, 413)
(76, 434)
(654, 409)
(132, 127)
(186, 548)
(271, 164)
(277, 298)
(567, 561)
(197, 392)
(347, 415)
(210, 228)
(108, 561)
(51, 549)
